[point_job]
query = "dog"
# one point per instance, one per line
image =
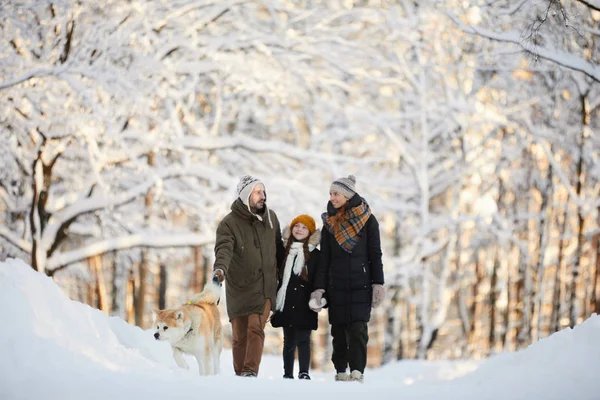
(194, 328)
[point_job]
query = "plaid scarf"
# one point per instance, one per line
(347, 233)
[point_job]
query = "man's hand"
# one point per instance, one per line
(218, 275)
(317, 302)
(378, 295)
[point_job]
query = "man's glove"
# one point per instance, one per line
(378, 295)
(317, 302)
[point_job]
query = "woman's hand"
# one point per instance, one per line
(378, 295)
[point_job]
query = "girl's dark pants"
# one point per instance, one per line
(296, 338)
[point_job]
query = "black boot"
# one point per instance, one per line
(304, 375)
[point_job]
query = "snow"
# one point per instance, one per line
(56, 348)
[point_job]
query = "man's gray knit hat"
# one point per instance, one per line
(345, 186)
(244, 190)
(246, 186)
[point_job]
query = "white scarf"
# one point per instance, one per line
(294, 262)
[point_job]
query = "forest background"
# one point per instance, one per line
(471, 126)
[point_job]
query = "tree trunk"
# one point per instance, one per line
(596, 250)
(140, 293)
(197, 281)
(463, 313)
(162, 287)
(38, 215)
(140, 298)
(525, 280)
(101, 303)
(115, 308)
(521, 329)
(509, 301)
(573, 311)
(557, 303)
(492, 302)
(413, 324)
(494, 278)
(476, 304)
(38, 256)
(542, 243)
(130, 299)
(402, 331)
(206, 267)
(401, 307)
(389, 321)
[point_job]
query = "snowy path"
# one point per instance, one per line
(55, 348)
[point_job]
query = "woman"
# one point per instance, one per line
(350, 273)
(291, 309)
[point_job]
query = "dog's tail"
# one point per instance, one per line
(211, 294)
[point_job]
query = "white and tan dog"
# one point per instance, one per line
(194, 328)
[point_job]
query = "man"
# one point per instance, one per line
(248, 252)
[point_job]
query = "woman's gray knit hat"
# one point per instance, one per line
(345, 186)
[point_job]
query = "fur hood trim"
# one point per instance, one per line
(313, 240)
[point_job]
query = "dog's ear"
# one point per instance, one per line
(179, 315)
(156, 313)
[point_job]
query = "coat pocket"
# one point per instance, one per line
(238, 251)
(359, 275)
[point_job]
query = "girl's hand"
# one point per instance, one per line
(317, 302)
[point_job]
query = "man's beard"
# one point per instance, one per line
(257, 210)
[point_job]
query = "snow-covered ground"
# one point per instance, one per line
(55, 348)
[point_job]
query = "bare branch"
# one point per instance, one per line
(592, 4)
(67, 48)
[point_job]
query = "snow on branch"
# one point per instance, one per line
(555, 55)
(63, 259)
(14, 239)
(561, 175)
(512, 10)
(268, 146)
(101, 200)
(558, 170)
(6, 198)
(32, 74)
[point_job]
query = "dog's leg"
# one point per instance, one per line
(215, 361)
(208, 362)
(178, 356)
(200, 360)
(216, 357)
(207, 356)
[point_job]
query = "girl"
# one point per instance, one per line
(351, 272)
(291, 309)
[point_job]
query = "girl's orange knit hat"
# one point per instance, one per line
(306, 220)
